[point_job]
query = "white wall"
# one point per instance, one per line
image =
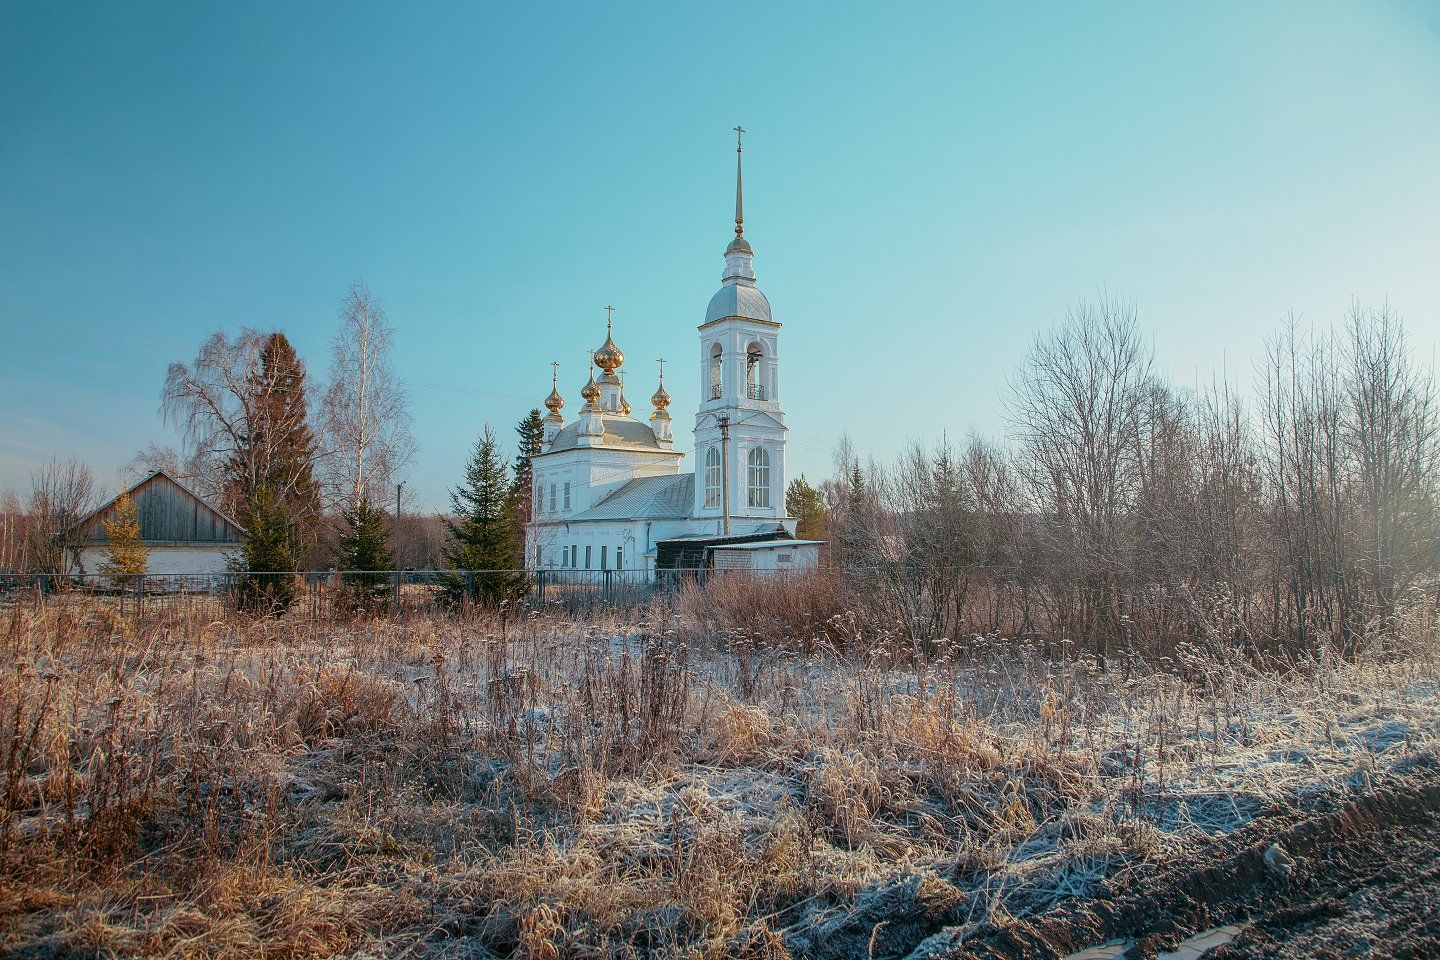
(166, 560)
(781, 558)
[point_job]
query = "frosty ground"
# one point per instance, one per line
(642, 783)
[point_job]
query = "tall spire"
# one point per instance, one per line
(739, 183)
(739, 253)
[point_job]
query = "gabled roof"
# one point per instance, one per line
(670, 497)
(133, 488)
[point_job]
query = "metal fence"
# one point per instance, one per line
(324, 592)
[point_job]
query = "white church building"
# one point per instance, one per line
(612, 493)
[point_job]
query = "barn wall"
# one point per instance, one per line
(169, 514)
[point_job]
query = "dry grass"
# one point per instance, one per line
(680, 780)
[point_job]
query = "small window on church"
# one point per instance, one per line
(758, 463)
(552, 498)
(567, 494)
(717, 361)
(712, 477)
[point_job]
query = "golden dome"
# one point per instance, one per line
(591, 391)
(608, 357)
(553, 403)
(660, 399)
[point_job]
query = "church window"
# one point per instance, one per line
(712, 477)
(552, 498)
(603, 550)
(758, 462)
(567, 494)
(754, 370)
(587, 556)
(717, 360)
(618, 555)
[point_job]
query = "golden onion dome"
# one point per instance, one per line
(609, 357)
(554, 402)
(660, 399)
(591, 390)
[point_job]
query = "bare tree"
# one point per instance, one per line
(1079, 406)
(202, 475)
(235, 410)
(15, 537)
(1391, 443)
(61, 492)
(1305, 473)
(363, 416)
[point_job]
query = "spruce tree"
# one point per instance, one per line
(364, 546)
(482, 528)
(125, 555)
(275, 462)
(531, 431)
(807, 505)
(267, 560)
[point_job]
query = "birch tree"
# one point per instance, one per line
(364, 416)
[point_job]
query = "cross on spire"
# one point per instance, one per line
(555, 372)
(609, 316)
(661, 361)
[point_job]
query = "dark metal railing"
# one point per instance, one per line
(756, 391)
(715, 391)
(321, 593)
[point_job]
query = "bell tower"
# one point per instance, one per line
(739, 427)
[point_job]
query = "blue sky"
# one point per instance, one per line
(927, 187)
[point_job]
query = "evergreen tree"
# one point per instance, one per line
(531, 431)
(125, 556)
(807, 505)
(267, 560)
(364, 546)
(275, 460)
(482, 528)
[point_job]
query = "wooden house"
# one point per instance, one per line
(182, 532)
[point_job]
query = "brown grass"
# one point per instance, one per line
(689, 778)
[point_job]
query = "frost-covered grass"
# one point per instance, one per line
(649, 781)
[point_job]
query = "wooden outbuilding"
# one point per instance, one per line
(183, 533)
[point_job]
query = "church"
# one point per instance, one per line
(612, 493)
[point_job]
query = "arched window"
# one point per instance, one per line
(755, 372)
(759, 477)
(712, 477)
(717, 359)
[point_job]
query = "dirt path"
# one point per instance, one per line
(1361, 880)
